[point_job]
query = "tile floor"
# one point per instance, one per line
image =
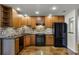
(47, 50)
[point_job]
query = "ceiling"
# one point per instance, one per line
(44, 9)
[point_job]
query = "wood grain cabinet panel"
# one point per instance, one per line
(55, 19)
(32, 40)
(16, 45)
(33, 22)
(61, 19)
(15, 21)
(29, 21)
(49, 40)
(48, 22)
(25, 21)
(26, 40)
(5, 16)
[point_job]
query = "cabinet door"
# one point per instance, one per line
(55, 19)
(49, 40)
(15, 21)
(61, 19)
(48, 22)
(29, 21)
(33, 22)
(32, 39)
(16, 45)
(25, 21)
(27, 41)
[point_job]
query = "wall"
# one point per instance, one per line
(78, 27)
(72, 37)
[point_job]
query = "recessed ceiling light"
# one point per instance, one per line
(50, 15)
(18, 9)
(20, 15)
(25, 15)
(37, 12)
(54, 8)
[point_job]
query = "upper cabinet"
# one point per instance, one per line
(29, 21)
(5, 16)
(61, 19)
(49, 21)
(26, 21)
(17, 19)
(33, 22)
(14, 18)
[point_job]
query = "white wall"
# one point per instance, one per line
(78, 27)
(72, 37)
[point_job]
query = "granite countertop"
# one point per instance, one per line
(16, 36)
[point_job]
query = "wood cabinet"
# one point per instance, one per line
(29, 21)
(21, 21)
(32, 40)
(48, 22)
(15, 20)
(5, 16)
(61, 19)
(16, 45)
(25, 21)
(26, 40)
(0, 16)
(49, 40)
(33, 22)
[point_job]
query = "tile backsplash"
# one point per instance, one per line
(24, 30)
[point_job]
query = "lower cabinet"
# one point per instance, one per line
(32, 40)
(26, 40)
(16, 45)
(49, 40)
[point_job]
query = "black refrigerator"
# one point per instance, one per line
(60, 34)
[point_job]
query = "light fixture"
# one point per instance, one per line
(20, 15)
(37, 12)
(54, 8)
(25, 15)
(50, 15)
(18, 9)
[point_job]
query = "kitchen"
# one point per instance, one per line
(19, 30)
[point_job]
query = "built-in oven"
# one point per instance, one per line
(40, 40)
